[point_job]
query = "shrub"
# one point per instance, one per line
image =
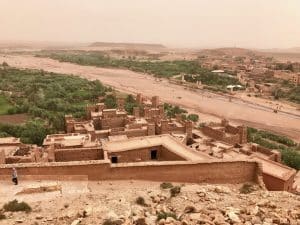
(140, 201)
(5, 64)
(247, 188)
(2, 216)
(175, 191)
(108, 222)
(15, 206)
(165, 215)
(193, 117)
(165, 185)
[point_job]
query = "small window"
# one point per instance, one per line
(153, 154)
(114, 159)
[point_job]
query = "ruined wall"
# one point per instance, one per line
(113, 122)
(231, 129)
(232, 139)
(67, 155)
(261, 149)
(150, 129)
(2, 157)
(102, 134)
(221, 136)
(208, 172)
(131, 132)
(19, 159)
(216, 134)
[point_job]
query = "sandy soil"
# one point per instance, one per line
(14, 119)
(208, 105)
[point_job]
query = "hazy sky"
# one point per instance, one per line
(182, 23)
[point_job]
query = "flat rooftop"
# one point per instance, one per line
(140, 121)
(118, 138)
(167, 141)
(9, 141)
(88, 126)
(67, 140)
(222, 145)
(8, 150)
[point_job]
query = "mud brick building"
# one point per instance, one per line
(111, 144)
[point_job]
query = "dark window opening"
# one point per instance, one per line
(114, 159)
(153, 154)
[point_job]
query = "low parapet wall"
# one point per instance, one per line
(175, 171)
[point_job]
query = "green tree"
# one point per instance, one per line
(110, 102)
(130, 103)
(34, 132)
(193, 117)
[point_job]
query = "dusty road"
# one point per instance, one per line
(208, 105)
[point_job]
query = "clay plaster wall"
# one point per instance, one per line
(208, 172)
(132, 132)
(66, 155)
(213, 133)
(113, 122)
(276, 184)
(231, 129)
(142, 155)
(220, 135)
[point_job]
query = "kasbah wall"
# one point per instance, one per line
(142, 155)
(230, 172)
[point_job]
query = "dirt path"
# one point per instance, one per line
(208, 105)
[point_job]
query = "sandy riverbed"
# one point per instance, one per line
(209, 106)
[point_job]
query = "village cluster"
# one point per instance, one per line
(150, 139)
(254, 71)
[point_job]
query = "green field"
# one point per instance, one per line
(288, 148)
(165, 69)
(4, 105)
(46, 98)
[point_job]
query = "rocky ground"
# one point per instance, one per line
(141, 203)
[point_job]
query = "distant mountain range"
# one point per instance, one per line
(228, 51)
(282, 50)
(126, 45)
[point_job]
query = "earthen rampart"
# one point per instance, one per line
(194, 172)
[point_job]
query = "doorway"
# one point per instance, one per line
(153, 154)
(114, 159)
